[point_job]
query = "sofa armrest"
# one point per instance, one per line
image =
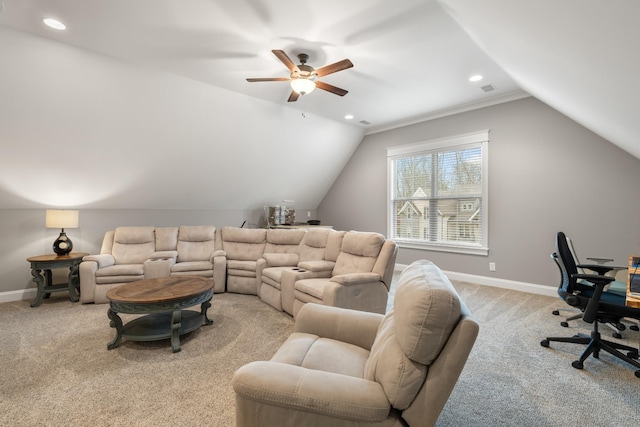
(280, 259)
(356, 278)
(351, 326)
(103, 260)
(308, 390)
(317, 265)
(163, 255)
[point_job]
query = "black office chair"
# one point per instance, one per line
(596, 305)
(615, 287)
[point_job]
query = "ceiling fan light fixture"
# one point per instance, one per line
(302, 85)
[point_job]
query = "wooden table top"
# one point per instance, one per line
(164, 289)
(56, 257)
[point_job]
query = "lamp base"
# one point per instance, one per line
(62, 245)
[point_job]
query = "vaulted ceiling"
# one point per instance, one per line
(138, 100)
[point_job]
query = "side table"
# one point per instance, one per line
(41, 267)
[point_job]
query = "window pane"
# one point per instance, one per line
(460, 172)
(413, 176)
(459, 221)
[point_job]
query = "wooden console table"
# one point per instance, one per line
(41, 267)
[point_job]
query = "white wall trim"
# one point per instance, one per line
(22, 294)
(513, 285)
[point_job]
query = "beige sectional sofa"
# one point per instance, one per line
(285, 268)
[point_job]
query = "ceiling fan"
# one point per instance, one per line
(304, 77)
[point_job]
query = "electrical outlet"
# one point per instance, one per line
(492, 266)
(308, 214)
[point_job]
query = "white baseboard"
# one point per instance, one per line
(20, 295)
(531, 288)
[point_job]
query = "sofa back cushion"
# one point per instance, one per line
(283, 241)
(243, 244)
(334, 243)
(358, 252)
(400, 377)
(133, 245)
(196, 243)
(166, 238)
(313, 244)
(426, 309)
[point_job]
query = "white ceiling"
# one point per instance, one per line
(156, 89)
(410, 57)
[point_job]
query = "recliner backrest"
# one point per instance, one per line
(196, 243)
(358, 252)
(313, 244)
(283, 241)
(243, 244)
(426, 310)
(133, 245)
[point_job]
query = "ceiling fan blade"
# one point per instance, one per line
(331, 88)
(269, 79)
(333, 68)
(293, 97)
(282, 56)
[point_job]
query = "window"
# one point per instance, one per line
(438, 194)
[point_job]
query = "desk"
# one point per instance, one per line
(41, 267)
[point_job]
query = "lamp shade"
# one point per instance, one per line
(303, 85)
(62, 218)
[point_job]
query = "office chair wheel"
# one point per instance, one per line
(556, 312)
(637, 373)
(544, 343)
(616, 335)
(633, 354)
(577, 364)
(620, 326)
(564, 324)
(634, 328)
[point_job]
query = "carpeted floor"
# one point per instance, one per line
(56, 370)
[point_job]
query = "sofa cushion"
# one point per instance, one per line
(400, 377)
(413, 333)
(313, 244)
(358, 253)
(322, 354)
(195, 243)
(192, 266)
(133, 245)
(166, 238)
(244, 244)
(426, 311)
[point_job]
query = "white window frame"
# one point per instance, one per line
(480, 139)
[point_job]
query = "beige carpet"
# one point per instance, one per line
(56, 370)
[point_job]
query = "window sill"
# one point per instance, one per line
(458, 249)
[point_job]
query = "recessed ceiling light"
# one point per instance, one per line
(349, 116)
(475, 78)
(54, 23)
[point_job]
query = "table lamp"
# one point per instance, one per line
(61, 218)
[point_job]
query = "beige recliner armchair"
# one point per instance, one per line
(351, 368)
(121, 260)
(359, 280)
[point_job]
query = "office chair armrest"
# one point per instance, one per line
(596, 279)
(591, 311)
(600, 269)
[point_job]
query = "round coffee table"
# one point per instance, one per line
(163, 302)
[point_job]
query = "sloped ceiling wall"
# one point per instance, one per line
(84, 130)
(578, 56)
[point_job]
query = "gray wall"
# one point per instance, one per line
(24, 234)
(546, 173)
